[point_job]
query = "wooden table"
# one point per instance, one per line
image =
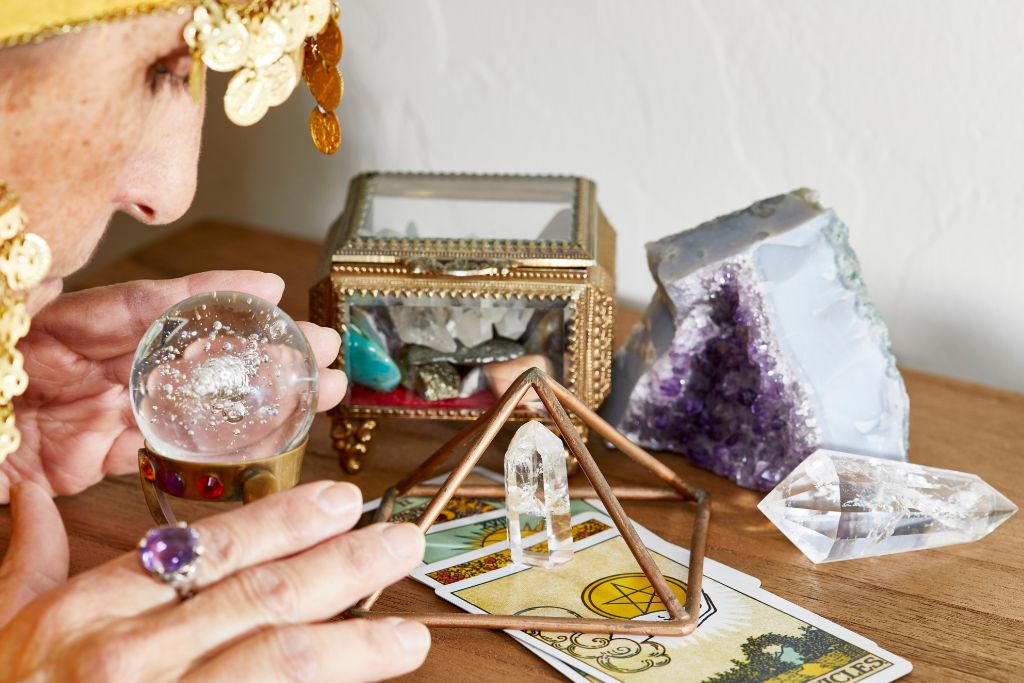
(957, 613)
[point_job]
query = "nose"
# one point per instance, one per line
(160, 181)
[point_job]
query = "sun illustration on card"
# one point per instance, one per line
(494, 531)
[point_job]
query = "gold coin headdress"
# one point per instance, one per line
(270, 45)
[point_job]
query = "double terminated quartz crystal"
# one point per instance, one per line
(759, 347)
(537, 495)
(837, 506)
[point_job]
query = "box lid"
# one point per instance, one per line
(451, 219)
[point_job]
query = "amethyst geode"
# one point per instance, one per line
(759, 347)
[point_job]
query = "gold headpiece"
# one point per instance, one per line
(270, 44)
(24, 262)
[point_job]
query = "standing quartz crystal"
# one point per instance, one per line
(838, 506)
(537, 495)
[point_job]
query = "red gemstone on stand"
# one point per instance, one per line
(148, 471)
(210, 487)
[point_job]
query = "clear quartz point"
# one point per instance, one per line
(838, 506)
(537, 495)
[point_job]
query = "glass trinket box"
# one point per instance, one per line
(446, 287)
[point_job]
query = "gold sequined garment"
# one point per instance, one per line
(24, 262)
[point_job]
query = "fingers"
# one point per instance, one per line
(333, 385)
(277, 526)
(349, 651)
(312, 586)
(37, 558)
(324, 341)
(106, 322)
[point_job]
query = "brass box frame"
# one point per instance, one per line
(579, 271)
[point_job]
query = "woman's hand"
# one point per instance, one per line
(75, 420)
(271, 572)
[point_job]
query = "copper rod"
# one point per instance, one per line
(386, 507)
(675, 628)
(628, 448)
(498, 491)
(429, 466)
(612, 505)
(502, 411)
(698, 541)
(553, 395)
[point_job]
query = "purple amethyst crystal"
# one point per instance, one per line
(171, 482)
(759, 347)
(169, 550)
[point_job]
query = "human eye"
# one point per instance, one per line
(170, 70)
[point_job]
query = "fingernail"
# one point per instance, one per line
(402, 540)
(339, 499)
(413, 637)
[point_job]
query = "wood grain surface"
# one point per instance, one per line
(956, 613)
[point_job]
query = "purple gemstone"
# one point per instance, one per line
(172, 483)
(724, 404)
(670, 388)
(169, 550)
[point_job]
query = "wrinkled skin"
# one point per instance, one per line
(92, 124)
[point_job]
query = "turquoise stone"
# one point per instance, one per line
(368, 363)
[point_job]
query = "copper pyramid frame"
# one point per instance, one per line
(556, 399)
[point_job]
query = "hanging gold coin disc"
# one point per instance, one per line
(225, 46)
(266, 42)
(329, 43)
(319, 13)
(14, 321)
(12, 220)
(325, 84)
(294, 19)
(245, 101)
(280, 79)
(34, 261)
(325, 130)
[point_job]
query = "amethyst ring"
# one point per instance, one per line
(171, 554)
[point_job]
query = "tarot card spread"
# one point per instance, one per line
(745, 633)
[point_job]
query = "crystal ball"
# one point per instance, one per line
(223, 376)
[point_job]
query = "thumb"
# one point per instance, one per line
(37, 557)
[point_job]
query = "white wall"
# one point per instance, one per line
(908, 117)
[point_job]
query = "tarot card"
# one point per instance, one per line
(496, 555)
(471, 524)
(451, 539)
(409, 508)
(744, 633)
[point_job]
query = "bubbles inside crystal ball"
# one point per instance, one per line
(223, 376)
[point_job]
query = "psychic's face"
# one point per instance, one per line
(94, 123)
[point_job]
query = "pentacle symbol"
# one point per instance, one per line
(628, 596)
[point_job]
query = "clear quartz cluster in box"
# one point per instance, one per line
(837, 506)
(537, 495)
(759, 347)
